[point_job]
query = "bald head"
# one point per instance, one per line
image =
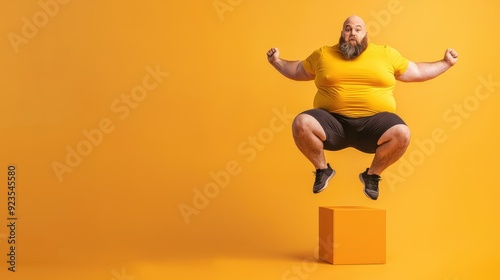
(354, 20)
(353, 39)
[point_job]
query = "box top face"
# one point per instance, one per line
(349, 208)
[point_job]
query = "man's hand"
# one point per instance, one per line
(273, 54)
(450, 57)
(291, 69)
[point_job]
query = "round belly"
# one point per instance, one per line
(355, 104)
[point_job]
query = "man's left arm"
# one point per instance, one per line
(423, 71)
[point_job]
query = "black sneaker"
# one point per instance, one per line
(322, 178)
(371, 184)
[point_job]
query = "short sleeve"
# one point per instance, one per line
(399, 62)
(311, 61)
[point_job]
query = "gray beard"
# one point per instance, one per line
(350, 52)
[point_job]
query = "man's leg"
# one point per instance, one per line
(309, 136)
(391, 146)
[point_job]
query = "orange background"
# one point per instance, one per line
(223, 110)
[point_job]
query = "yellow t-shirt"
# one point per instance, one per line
(356, 88)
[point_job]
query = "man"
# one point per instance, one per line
(354, 105)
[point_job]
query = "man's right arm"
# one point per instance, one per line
(291, 69)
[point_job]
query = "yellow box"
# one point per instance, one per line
(352, 235)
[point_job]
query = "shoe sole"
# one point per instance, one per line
(326, 183)
(364, 188)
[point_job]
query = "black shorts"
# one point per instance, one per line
(360, 133)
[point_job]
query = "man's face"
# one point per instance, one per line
(353, 39)
(353, 31)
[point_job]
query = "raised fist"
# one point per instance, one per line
(451, 56)
(273, 54)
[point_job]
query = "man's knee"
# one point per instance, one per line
(399, 134)
(305, 124)
(402, 134)
(301, 122)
